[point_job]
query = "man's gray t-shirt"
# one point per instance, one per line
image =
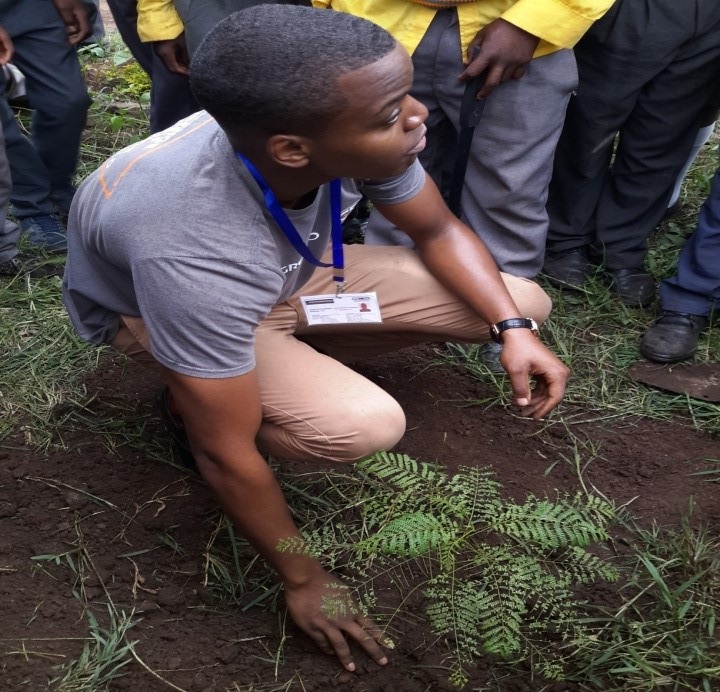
(173, 230)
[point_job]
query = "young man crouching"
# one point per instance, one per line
(197, 251)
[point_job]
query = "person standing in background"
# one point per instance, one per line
(44, 35)
(648, 71)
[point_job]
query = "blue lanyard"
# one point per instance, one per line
(290, 232)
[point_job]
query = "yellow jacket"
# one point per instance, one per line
(158, 20)
(558, 23)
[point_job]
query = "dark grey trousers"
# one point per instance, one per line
(647, 70)
(199, 16)
(59, 99)
(9, 232)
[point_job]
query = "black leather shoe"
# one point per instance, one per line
(21, 265)
(672, 337)
(569, 270)
(634, 286)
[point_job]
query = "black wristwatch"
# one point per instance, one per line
(496, 330)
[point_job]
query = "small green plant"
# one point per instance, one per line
(91, 52)
(104, 654)
(129, 80)
(499, 577)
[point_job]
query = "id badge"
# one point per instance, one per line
(344, 308)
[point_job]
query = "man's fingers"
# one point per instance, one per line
(494, 77)
(341, 648)
(368, 640)
(372, 629)
(322, 643)
(332, 640)
(544, 399)
(522, 394)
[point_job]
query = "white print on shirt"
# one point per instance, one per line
(292, 267)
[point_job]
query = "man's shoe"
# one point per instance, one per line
(490, 357)
(634, 286)
(672, 337)
(46, 231)
(21, 265)
(569, 270)
(62, 199)
(176, 428)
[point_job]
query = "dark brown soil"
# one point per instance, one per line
(145, 526)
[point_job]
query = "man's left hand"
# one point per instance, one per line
(501, 48)
(525, 357)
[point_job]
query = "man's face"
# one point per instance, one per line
(381, 132)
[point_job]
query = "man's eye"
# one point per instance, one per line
(394, 117)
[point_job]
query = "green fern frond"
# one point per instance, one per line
(595, 508)
(401, 470)
(457, 610)
(471, 492)
(584, 568)
(410, 535)
(547, 524)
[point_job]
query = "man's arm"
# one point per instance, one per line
(160, 24)
(75, 18)
(505, 46)
(460, 261)
(222, 418)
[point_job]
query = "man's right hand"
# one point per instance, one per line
(324, 609)
(173, 54)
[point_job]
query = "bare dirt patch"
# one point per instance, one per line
(134, 531)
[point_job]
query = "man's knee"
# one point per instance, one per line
(529, 297)
(367, 432)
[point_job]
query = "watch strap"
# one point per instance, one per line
(498, 328)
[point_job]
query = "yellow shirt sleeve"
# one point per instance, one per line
(560, 23)
(158, 20)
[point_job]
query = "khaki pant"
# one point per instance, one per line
(314, 406)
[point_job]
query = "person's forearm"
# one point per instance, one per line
(464, 266)
(253, 500)
(453, 254)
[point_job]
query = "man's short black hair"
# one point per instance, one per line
(274, 68)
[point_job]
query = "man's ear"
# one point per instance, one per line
(292, 151)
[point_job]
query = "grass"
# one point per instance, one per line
(103, 657)
(661, 636)
(664, 635)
